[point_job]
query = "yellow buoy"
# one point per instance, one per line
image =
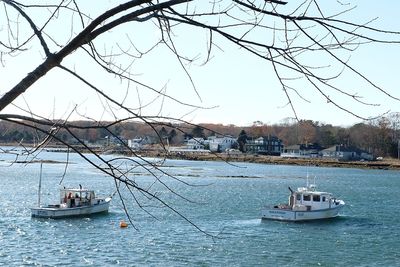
(123, 224)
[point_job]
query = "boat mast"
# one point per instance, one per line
(307, 178)
(40, 184)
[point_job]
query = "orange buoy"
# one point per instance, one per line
(123, 224)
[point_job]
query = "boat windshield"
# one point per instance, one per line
(77, 193)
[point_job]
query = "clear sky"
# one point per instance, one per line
(233, 88)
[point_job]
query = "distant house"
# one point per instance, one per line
(110, 141)
(221, 144)
(302, 151)
(139, 142)
(341, 152)
(195, 143)
(266, 145)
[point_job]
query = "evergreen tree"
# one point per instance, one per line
(198, 132)
(242, 140)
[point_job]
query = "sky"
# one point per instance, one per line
(234, 87)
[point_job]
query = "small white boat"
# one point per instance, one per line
(73, 202)
(305, 204)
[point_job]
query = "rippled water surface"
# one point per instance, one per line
(226, 203)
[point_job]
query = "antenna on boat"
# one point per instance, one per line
(307, 178)
(40, 184)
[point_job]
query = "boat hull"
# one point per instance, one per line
(270, 213)
(59, 212)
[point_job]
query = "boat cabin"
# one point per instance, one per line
(305, 203)
(308, 199)
(76, 197)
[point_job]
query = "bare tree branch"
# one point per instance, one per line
(285, 37)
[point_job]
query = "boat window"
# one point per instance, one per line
(298, 197)
(306, 197)
(316, 198)
(323, 198)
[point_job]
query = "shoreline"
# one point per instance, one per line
(385, 164)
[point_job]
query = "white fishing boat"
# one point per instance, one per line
(73, 202)
(306, 203)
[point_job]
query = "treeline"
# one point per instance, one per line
(381, 136)
(378, 136)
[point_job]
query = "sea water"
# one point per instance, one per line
(222, 200)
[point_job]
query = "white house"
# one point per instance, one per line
(137, 143)
(221, 144)
(195, 143)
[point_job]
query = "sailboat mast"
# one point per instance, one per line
(40, 184)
